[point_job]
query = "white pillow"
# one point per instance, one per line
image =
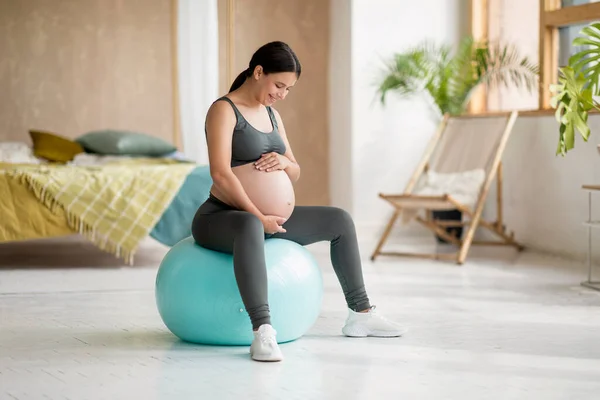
(86, 159)
(17, 153)
(462, 186)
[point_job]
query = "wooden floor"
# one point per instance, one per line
(75, 324)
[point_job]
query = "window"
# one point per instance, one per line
(560, 23)
(568, 3)
(566, 34)
(542, 30)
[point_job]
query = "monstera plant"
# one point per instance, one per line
(450, 77)
(578, 84)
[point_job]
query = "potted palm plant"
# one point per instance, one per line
(578, 85)
(449, 77)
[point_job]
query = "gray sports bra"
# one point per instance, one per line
(248, 143)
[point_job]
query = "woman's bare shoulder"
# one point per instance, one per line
(220, 111)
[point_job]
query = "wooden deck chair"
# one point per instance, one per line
(460, 144)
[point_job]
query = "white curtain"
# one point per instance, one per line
(198, 51)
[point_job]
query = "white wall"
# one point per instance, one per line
(375, 149)
(340, 103)
(544, 203)
(386, 142)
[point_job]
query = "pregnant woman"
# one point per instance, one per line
(252, 198)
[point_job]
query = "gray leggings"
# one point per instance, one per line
(218, 226)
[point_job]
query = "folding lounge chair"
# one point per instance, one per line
(468, 145)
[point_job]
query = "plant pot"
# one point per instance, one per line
(449, 215)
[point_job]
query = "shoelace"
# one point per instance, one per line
(267, 337)
(374, 313)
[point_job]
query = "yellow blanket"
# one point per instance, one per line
(115, 206)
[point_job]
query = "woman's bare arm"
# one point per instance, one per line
(220, 122)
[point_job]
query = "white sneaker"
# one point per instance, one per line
(370, 324)
(264, 347)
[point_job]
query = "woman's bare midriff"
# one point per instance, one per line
(271, 192)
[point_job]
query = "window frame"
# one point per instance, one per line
(553, 17)
(479, 30)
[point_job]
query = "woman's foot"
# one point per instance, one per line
(264, 347)
(370, 323)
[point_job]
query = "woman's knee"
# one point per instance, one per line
(343, 220)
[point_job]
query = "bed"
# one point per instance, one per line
(115, 202)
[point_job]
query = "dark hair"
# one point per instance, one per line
(273, 57)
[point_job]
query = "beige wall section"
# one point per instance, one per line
(74, 66)
(304, 25)
(516, 23)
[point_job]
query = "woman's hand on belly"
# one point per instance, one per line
(272, 162)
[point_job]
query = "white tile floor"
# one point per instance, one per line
(76, 325)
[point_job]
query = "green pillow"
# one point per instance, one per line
(124, 143)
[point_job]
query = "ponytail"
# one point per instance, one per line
(241, 78)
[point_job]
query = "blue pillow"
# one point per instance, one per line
(176, 222)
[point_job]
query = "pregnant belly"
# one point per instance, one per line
(271, 192)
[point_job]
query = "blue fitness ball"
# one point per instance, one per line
(199, 301)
